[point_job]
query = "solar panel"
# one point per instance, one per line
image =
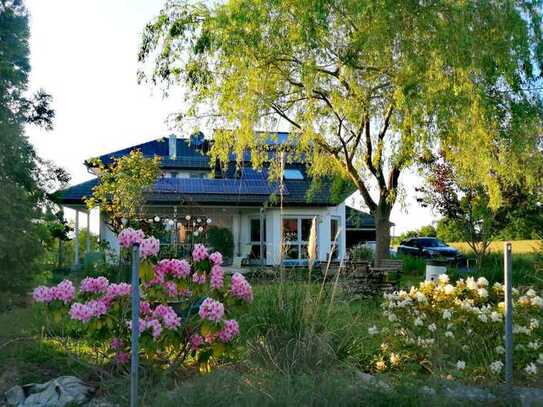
(213, 186)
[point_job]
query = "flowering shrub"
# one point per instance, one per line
(183, 309)
(459, 329)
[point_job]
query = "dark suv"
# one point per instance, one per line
(429, 247)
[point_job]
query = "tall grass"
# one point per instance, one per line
(525, 271)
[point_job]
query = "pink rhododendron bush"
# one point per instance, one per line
(186, 307)
(458, 329)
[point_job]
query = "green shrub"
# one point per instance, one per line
(221, 239)
(413, 265)
(361, 252)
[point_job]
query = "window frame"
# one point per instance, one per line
(299, 242)
(257, 243)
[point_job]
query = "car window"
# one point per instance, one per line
(432, 243)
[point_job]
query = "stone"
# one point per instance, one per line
(15, 396)
(59, 392)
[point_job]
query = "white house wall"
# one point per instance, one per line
(241, 225)
(107, 235)
(324, 240)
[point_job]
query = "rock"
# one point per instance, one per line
(58, 392)
(462, 392)
(15, 396)
(528, 397)
(373, 381)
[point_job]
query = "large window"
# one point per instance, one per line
(296, 231)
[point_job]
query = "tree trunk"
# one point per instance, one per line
(382, 231)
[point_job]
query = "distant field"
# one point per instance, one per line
(519, 246)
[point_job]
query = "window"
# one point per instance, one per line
(291, 173)
(255, 238)
(173, 174)
(296, 232)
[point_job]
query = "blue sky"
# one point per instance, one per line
(84, 54)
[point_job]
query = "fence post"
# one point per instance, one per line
(508, 293)
(135, 326)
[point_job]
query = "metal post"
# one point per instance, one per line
(508, 271)
(135, 326)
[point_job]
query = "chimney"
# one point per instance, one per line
(172, 146)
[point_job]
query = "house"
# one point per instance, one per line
(240, 199)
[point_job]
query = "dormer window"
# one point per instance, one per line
(291, 173)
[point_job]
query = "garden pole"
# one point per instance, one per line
(508, 291)
(135, 326)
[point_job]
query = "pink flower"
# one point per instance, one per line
(122, 358)
(168, 316)
(179, 268)
(65, 291)
(211, 310)
(149, 247)
(43, 294)
(229, 331)
(199, 252)
(199, 278)
(145, 308)
(94, 285)
(155, 326)
(216, 258)
(85, 312)
(80, 312)
(116, 343)
(118, 290)
(241, 288)
(128, 236)
(171, 288)
(217, 277)
(141, 326)
(196, 341)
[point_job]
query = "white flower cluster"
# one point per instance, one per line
(437, 317)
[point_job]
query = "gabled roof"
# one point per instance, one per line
(188, 156)
(235, 187)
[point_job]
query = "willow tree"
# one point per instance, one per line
(368, 88)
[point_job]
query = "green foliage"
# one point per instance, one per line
(369, 87)
(361, 252)
(120, 193)
(221, 239)
(424, 231)
(525, 272)
(413, 265)
(25, 178)
(449, 231)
